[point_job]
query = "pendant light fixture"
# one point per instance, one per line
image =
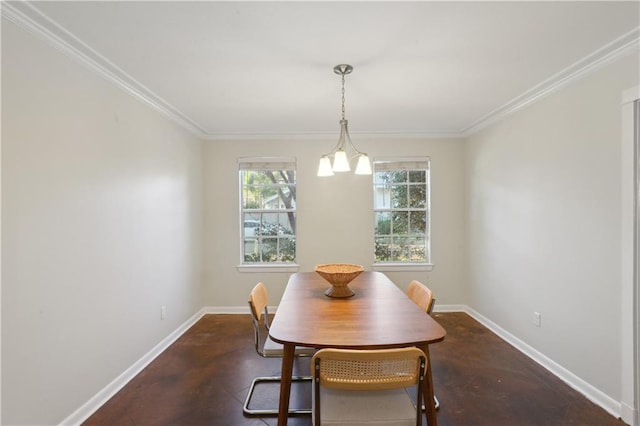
(339, 154)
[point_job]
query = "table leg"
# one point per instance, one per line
(427, 392)
(285, 383)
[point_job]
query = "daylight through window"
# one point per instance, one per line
(401, 208)
(268, 210)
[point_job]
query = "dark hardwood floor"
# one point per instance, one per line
(203, 378)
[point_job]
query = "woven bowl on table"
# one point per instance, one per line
(339, 276)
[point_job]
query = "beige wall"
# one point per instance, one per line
(335, 215)
(544, 224)
(101, 225)
(104, 222)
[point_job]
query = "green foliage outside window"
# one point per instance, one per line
(268, 216)
(401, 214)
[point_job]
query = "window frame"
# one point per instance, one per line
(264, 164)
(404, 163)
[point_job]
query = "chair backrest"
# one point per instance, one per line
(421, 296)
(258, 300)
(370, 370)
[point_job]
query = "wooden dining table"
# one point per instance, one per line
(378, 316)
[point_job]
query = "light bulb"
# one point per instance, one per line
(324, 169)
(340, 162)
(364, 165)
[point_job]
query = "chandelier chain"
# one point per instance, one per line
(343, 96)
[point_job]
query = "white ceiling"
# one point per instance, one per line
(246, 69)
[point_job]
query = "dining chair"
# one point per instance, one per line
(267, 348)
(367, 386)
(422, 296)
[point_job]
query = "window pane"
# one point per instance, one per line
(398, 176)
(417, 176)
(287, 249)
(399, 196)
(382, 196)
(269, 224)
(417, 196)
(383, 223)
(269, 249)
(251, 225)
(250, 197)
(400, 222)
(287, 198)
(418, 223)
(268, 197)
(286, 223)
(280, 177)
(417, 250)
(251, 253)
(400, 249)
(382, 177)
(383, 248)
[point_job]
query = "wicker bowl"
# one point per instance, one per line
(339, 276)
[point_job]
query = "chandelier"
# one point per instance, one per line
(339, 154)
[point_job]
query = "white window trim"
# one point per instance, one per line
(402, 267)
(244, 163)
(268, 268)
(408, 266)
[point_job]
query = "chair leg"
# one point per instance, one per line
(263, 412)
(436, 402)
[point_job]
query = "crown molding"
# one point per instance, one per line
(312, 136)
(28, 17)
(622, 46)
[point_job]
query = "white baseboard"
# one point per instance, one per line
(589, 391)
(234, 309)
(92, 405)
(628, 414)
(450, 308)
(227, 309)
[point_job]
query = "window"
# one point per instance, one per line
(268, 211)
(401, 209)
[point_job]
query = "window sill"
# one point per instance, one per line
(280, 267)
(402, 267)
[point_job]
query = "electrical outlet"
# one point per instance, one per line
(163, 312)
(537, 319)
